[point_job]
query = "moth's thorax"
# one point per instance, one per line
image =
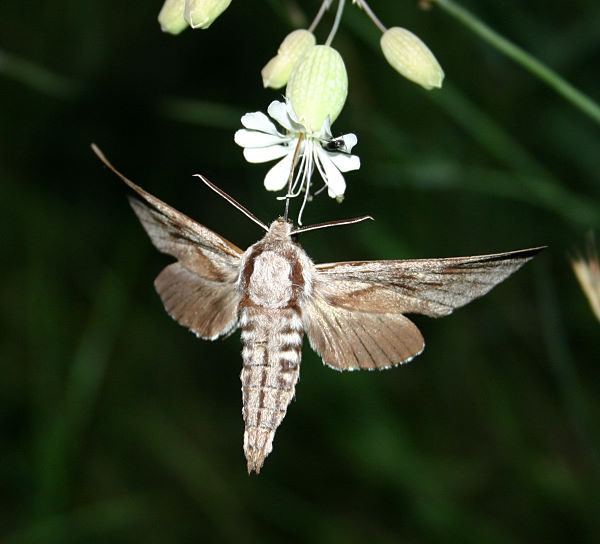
(275, 271)
(271, 280)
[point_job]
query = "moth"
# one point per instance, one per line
(352, 312)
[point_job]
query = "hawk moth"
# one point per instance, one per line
(352, 312)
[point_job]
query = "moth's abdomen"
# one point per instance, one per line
(272, 342)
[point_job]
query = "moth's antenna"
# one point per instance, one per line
(332, 224)
(289, 188)
(233, 202)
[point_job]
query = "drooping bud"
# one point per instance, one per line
(277, 71)
(411, 58)
(171, 17)
(202, 13)
(318, 86)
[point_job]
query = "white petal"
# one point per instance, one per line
(265, 154)
(325, 133)
(278, 111)
(252, 138)
(344, 162)
(336, 185)
(288, 118)
(257, 120)
(292, 115)
(350, 140)
(277, 178)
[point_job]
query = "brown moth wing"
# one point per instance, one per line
(181, 230)
(206, 307)
(199, 249)
(434, 287)
(349, 340)
(354, 320)
(174, 233)
(199, 290)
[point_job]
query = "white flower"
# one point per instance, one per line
(263, 141)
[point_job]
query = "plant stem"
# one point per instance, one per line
(560, 85)
(362, 4)
(336, 22)
(324, 7)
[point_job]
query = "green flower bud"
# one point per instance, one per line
(202, 13)
(277, 71)
(171, 17)
(411, 58)
(318, 86)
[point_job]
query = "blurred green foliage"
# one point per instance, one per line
(117, 425)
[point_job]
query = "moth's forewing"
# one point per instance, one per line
(199, 249)
(433, 287)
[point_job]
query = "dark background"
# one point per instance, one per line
(118, 425)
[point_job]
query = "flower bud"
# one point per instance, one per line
(277, 71)
(318, 86)
(411, 58)
(202, 13)
(171, 17)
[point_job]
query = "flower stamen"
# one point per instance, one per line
(291, 177)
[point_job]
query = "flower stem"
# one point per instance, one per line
(362, 4)
(324, 7)
(336, 22)
(560, 85)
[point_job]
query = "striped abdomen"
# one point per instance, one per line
(272, 342)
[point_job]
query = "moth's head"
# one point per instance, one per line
(280, 228)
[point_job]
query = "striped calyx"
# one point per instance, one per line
(318, 86)
(409, 56)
